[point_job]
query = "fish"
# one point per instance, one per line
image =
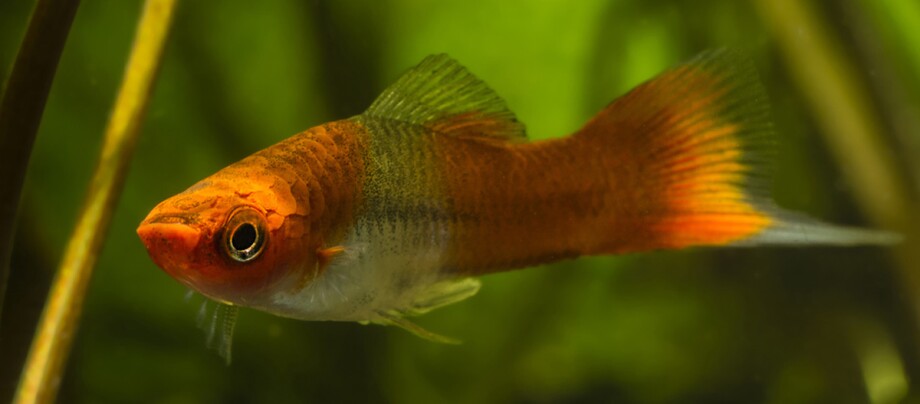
(399, 210)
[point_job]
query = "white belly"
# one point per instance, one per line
(385, 268)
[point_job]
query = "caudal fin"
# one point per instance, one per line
(692, 149)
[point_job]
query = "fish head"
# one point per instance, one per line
(233, 242)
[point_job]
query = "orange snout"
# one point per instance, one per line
(172, 246)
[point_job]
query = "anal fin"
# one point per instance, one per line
(399, 321)
(438, 295)
(444, 293)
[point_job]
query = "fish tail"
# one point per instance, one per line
(687, 158)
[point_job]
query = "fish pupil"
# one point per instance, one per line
(244, 237)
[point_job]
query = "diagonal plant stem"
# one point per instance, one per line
(51, 344)
(21, 110)
(855, 136)
(840, 104)
(852, 130)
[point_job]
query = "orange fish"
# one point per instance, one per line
(395, 211)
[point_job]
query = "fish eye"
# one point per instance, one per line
(244, 235)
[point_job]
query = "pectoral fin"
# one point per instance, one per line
(325, 255)
(218, 320)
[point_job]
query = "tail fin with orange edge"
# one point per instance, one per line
(695, 143)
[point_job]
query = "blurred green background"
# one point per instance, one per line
(771, 325)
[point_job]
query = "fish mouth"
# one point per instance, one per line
(189, 220)
(171, 244)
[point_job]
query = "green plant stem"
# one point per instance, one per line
(21, 110)
(840, 101)
(51, 344)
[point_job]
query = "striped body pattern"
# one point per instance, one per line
(394, 212)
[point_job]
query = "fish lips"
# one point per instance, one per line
(173, 245)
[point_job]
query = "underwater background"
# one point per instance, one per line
(770, 325)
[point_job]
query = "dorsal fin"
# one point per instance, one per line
(442, 95)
